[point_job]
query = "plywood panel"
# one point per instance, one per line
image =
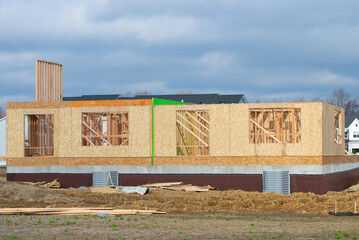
(134, 102)
(65, 132)
(15, 133)
(165, 130)
(139, 139)
(245, 160)
(92, 161)
(220, 128)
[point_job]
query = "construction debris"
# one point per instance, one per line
(178, 186)
(139, 190)
(53, 184)
(354, 188)
(75, 211)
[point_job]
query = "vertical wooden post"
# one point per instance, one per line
(48, 81)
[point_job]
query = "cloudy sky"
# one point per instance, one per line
(265, 49)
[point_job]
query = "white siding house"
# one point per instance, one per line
(352, 133)
(3, 137)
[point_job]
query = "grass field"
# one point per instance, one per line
(178, 226)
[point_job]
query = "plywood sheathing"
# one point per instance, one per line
(15, 133)
(194, 161)
(229, 133)
(330, 147)
(78, 104)
(88, 161)
(139, 134)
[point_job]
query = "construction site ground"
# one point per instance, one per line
(189, 215)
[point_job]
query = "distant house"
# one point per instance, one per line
(352, 133)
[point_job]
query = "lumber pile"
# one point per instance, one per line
(75, 211)
(53, 184)
(178, 186)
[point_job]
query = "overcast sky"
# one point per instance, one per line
(265, 49)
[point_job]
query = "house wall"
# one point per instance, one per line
(229, 130)
(2, 138)
(229, 135)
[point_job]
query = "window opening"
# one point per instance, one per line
(192, 133)
(105, 129)
(270, 125)
(337, 127)
(39, 135)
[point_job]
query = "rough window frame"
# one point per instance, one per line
(38, 135)
(338, 127)
(105, 129)
(274, 125)
(192, 132)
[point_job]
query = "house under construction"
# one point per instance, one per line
(229, 146)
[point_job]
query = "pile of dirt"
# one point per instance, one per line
(221, 202)
(15, 194)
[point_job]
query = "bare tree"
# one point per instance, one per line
(343, 99)
(186, 92)
(143, 93)
(299, 99)
(2, 113)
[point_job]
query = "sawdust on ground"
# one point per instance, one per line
(15, 194)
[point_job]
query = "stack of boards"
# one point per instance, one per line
(74, 211)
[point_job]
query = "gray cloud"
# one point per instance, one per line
(260, 48)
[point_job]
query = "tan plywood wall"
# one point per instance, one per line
(65, 131)
(330, 148)
(229, 130)
(15, 133)
(139, 131)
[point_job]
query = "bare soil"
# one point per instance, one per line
(15, 194)
(190, 215)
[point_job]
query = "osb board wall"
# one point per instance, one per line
(93, 161)
(15, 130)
(62, 104)
(165, 127)
(239, 160)
(139, 134)
(330, 148)
(229, 130)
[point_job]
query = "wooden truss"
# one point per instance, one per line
(105, 129)
(192, 133)
(39, 139)
(338, 127)
(270, 125)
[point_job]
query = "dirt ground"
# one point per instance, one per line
(178, 226)
(189, 215)
(16, 194)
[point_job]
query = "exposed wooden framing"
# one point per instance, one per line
(39, 139)
(338, 127)
(105, 129)
(280, 125)
(260, 127)
(192, 132)
(48, 81)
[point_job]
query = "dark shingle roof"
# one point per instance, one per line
(349, 119)
(190, 98)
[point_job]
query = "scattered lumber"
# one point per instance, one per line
(53, 184)
(178, 186)
(75, 211)
(35, 183)
(161, 185)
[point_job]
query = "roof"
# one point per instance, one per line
(349, 119)
(213, 98)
